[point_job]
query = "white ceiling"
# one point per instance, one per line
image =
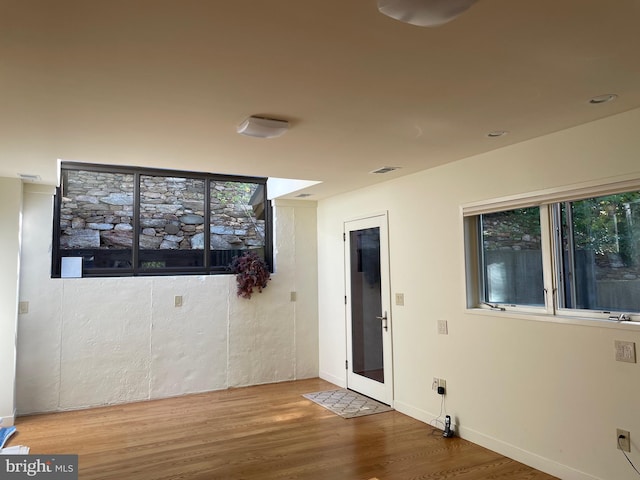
(164, 83)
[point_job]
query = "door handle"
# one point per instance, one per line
(385, 321)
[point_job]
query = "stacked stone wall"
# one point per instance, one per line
(97, 212)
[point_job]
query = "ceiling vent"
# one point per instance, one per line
(25, 177)
(385, 170)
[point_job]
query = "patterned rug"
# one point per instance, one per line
(346, 403)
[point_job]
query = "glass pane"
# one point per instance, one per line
(96, 214)
(512, 257)
(171, 222)
(237, 220)
(601, 253)
(366, 304)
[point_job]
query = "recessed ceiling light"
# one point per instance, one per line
(607, 97)
(497, 133)
(385, 170)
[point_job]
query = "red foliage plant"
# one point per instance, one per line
(251, 272)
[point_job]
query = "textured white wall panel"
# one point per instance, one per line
(189, 343)
(106, 341)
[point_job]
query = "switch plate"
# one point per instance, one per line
(177, 300)
(23, 307)
(625, 351)
(400, 299)
(443, 328)
(623, 443)
(294, 296)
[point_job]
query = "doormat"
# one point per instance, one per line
(346, 403)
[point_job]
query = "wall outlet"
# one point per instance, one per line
(177, 301)
(623, 443)
(625, 351)
(443, 328)
(438, 382)
(23, 307)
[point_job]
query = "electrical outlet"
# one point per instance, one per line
(625, 351)
(623, 443)
(400, 299)
(434, 384)
(23, 308)
(443, 328)
(177, 300)
(442, 383)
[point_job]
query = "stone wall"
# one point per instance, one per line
(97, 213)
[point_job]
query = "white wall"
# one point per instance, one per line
(10, 211)
(96, 341)
(548, 394)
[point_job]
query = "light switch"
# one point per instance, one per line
(443, 328)
(400, 299)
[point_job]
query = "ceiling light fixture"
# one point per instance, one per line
(424, 13)
(263, 127)
(607, 97)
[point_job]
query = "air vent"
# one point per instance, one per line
(497, 133)
(385, 170)
(303, 195)
(28, 178)
(607, 97)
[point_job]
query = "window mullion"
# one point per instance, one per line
(548, 246)
(136, 223)
(207, 225)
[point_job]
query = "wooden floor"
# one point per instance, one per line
(263, 432)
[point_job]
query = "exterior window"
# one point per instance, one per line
(572, 257)
(512, 257)
(131, 221)
(600, 253)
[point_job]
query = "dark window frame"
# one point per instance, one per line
(136, 269)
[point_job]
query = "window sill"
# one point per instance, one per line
(563, 319)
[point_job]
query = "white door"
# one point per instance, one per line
(368, 312)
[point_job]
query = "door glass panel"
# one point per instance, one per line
(366, 304)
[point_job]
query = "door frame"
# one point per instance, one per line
(383, 392)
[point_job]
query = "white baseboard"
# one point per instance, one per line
(516, 453)
(340, 382)
(8, 420)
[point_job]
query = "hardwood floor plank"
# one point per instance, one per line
(264, 432)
